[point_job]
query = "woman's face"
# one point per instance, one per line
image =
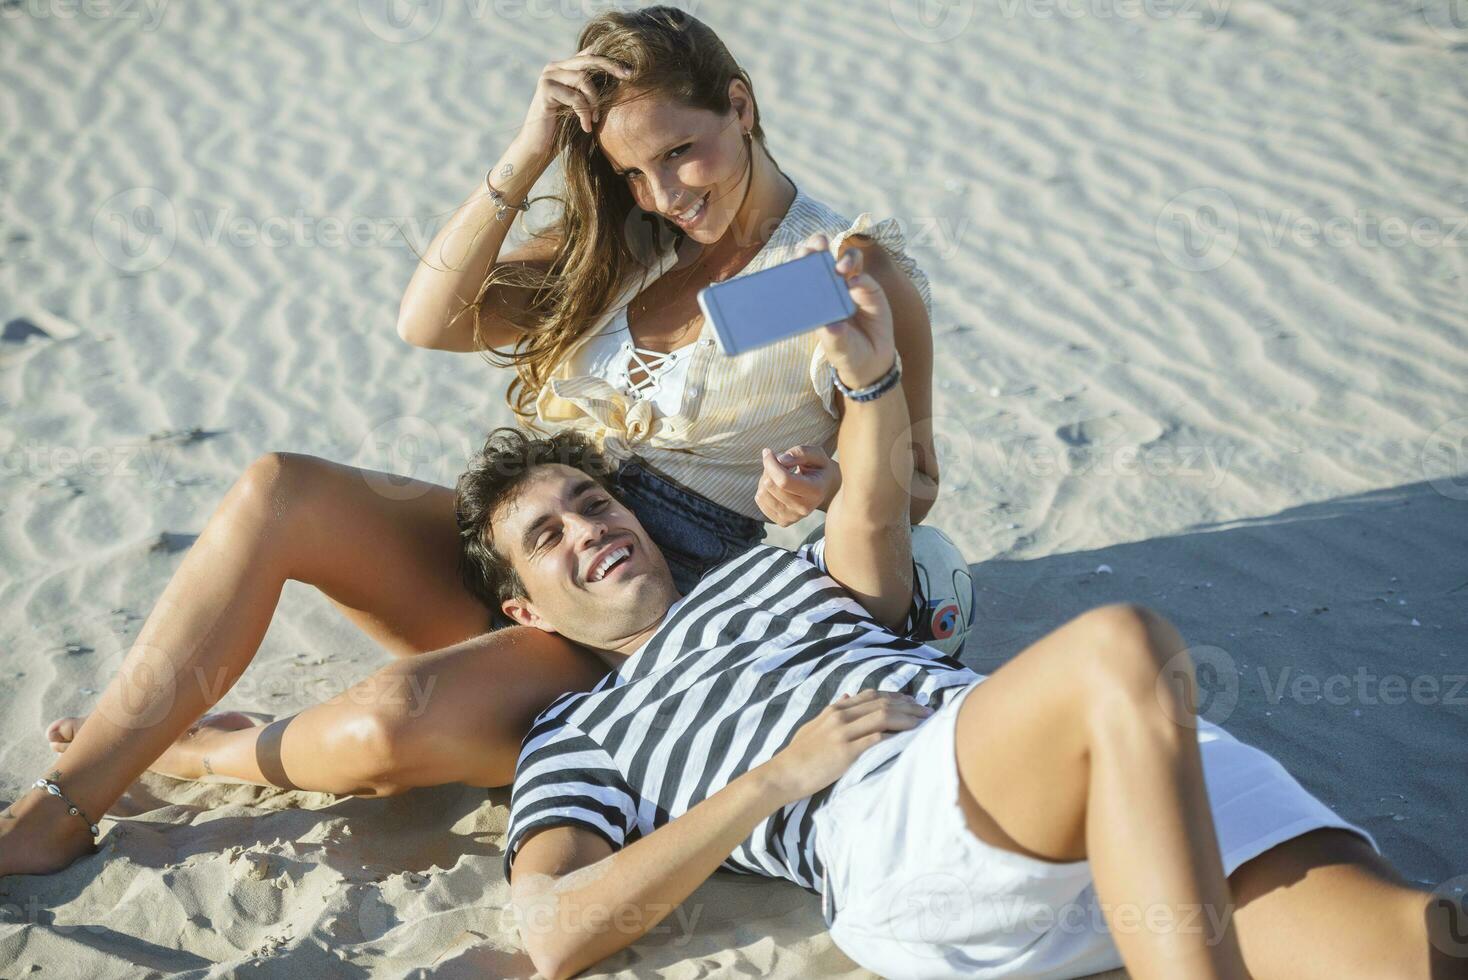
(688, 165)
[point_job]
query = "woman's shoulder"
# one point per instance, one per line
(815, 215)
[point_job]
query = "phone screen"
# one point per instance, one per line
(772, 304)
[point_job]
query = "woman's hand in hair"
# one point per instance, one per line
(798, 481)
(565, 85)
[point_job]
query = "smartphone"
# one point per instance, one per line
(772, 304)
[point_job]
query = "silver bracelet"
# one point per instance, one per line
(877, 388)
(71, 808)
(501, 206)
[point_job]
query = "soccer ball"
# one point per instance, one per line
(943, 589)
(943, 592)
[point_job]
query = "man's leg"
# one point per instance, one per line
(1067, 747)
(1084, 710)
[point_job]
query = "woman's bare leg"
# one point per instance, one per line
(390, 560)
(451, 716)
(1062, 749)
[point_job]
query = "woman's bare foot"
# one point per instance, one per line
(38, 836)
(188, 758)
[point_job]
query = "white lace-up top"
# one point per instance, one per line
(695, 414)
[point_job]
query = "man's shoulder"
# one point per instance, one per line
(752, 568)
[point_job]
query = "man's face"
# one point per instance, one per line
(590, 571)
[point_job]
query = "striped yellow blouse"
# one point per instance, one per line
(732, 407)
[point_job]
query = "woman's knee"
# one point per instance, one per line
(373, 746)
(277, 481)
(277, 496)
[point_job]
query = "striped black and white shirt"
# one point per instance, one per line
(762, 645)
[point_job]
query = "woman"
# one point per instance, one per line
(653, 119)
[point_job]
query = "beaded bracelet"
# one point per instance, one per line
(877, 388)
(71, 808)
(501, 206)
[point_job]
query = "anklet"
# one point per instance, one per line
(72, 808)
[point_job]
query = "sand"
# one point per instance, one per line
(1199, 274)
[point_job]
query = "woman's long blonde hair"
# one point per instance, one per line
(603, 236)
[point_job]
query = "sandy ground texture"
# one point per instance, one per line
(1199, 273)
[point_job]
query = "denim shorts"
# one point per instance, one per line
(694, 533)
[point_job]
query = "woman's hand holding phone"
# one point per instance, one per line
(861, 348)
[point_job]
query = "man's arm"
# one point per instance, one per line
(912, 332)
(579, 902)
(868, 545)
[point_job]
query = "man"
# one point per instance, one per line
(771, 722)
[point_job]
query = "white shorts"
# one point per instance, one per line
(909, 891)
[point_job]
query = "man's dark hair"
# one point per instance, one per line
(494, 478)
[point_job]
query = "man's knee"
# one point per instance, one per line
(1137, 660)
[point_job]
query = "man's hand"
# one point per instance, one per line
(826, 746)
(800, 480)
(861, 349)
